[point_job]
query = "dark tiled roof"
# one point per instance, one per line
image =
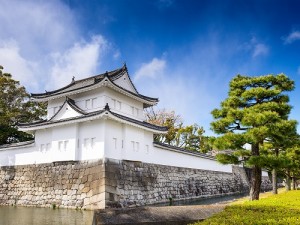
(91, 81)
(48, 122)
(86, 115)
(184, 150)
(141, 123)
(19, 144)
(78, 84)
(72, 104)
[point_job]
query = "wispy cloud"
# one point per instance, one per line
(257, 48)
(260, 49)
(152, 69)
(80, 61)
(293, 36)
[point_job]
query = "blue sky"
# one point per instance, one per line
(184, 52)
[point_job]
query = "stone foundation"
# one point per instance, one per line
(60, 184)
(135, 183)
(113, 183)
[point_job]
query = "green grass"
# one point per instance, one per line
(283, 208)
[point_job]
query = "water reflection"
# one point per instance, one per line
(10, 215)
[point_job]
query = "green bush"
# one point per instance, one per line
(277, 209)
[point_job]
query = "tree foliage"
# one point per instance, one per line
(254, 110)
(15, 107)
(189, 137)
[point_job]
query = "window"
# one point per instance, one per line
(88, 103)
(135, 146)
(136, 111)
(113, 103)
(86, 143)
(60, 145)
(66, 145)
(94, 103)
(89, 143)
(48, 147)
(93, 142)
(115, 143)
(119, 104)
(63, 145)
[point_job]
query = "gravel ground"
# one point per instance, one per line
(167, 215)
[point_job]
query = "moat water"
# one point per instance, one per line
(10, 215)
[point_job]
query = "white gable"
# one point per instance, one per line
(125, 82)
(66, 112)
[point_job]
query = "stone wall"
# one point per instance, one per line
(63, 184)
(113, 183)
(135, 183)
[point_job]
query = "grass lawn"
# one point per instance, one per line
(283, 208)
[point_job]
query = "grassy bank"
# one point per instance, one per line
(283, 208)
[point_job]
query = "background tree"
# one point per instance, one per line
(189, 137)
(165, 118)
(282, 137)
(253, 108)
(15, 107)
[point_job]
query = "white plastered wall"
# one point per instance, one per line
(91, 140)
(138, 146)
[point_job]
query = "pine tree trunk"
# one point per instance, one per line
(288, 183)
(294, 183)
(255, 175)
(274, 176)
(274, 181)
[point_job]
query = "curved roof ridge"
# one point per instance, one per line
(95, 113)
(136, 94)
(95, 77)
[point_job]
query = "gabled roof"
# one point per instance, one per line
(105, 113)
(105, 79)
(71, 103)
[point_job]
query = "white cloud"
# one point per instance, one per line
(37, 26)
(152, 69)
(294, 36)
(80, 61)
(46, 33)
(256, 48)
(14, 63)
(260, 49)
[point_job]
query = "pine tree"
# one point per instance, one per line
(254, 107)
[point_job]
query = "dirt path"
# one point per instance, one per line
(167, 215)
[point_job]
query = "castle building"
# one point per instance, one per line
(95, 150)
(96, 118)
